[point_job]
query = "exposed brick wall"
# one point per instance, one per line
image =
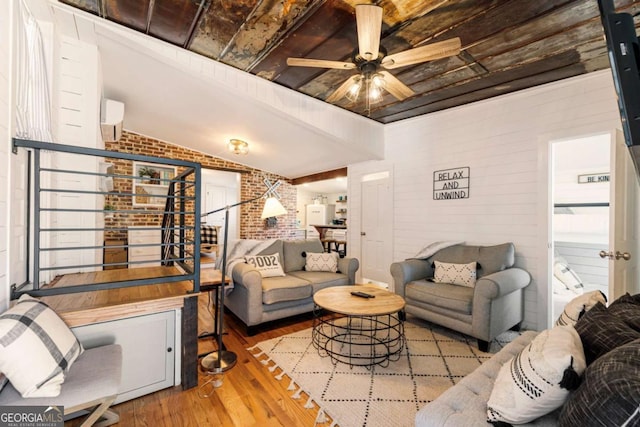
(251, 226)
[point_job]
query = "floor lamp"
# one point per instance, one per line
(221, 360)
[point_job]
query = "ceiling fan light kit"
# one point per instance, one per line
(370, 56)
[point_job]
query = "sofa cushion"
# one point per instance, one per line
(276, 246)
(317, 277)
(452, 297)
(455, 274)
(465, 404)
(535, 382)
(610, 392)
(36, 348)
(490, 259)
(602, 331)
(293, 249)
(286, 288)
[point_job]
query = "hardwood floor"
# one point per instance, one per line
(249, 396)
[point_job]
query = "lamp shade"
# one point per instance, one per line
(272, 207)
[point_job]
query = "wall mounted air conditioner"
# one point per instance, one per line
(111, 117)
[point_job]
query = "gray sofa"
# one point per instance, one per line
(256, 300)
(493, 306)
(465, 404)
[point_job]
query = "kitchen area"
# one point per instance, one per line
(322, 213)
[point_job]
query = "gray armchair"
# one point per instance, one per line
(492, 306)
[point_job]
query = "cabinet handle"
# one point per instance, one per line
(169, 350)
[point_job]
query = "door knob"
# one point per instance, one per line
(362, 233)
(605, 254)
(625, 256)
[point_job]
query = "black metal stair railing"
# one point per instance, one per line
(179, 226)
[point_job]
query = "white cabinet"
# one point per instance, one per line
(148, 236)
(149, 356)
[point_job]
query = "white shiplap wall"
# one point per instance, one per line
(499, 139)
(6, 12)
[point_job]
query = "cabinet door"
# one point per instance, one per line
(148, 350)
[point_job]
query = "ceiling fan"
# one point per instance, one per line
(370, 56)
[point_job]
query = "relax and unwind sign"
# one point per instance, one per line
(451, 184)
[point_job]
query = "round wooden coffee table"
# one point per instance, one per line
(358, 331)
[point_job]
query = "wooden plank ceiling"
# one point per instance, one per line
(507, 45)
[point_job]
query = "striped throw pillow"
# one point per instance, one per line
(539, 378)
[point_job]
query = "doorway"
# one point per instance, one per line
(376, 232)
(219, 189)
(330, 192)
(580, 219)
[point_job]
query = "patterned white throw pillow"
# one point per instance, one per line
(267, 265)
(538, 379)
(455, 274)
(36, 348)
(321, 261)
(578, 306)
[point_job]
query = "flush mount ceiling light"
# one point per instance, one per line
(238, 146)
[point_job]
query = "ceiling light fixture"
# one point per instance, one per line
(238, 146)
(374, 83)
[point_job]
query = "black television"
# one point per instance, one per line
(624, 54)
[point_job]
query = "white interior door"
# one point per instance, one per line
(65, 220)
(220, 189)
(215, 197)
(623, 240)
(376, 230)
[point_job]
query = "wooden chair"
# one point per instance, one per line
(91, 384)
(340, 246)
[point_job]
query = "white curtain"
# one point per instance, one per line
(33, 115)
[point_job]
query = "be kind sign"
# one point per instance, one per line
(451, 184)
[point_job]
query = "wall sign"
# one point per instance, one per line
(449, 184)
(593, 178)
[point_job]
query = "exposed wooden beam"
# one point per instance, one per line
(336, 173)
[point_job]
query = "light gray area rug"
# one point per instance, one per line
(433, 360)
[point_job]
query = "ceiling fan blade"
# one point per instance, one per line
(423, 53)
(320, 63)
(395, 87)
(369, 22)
(343, 89)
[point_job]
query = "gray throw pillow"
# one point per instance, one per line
(601, 332)
(610, 392)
